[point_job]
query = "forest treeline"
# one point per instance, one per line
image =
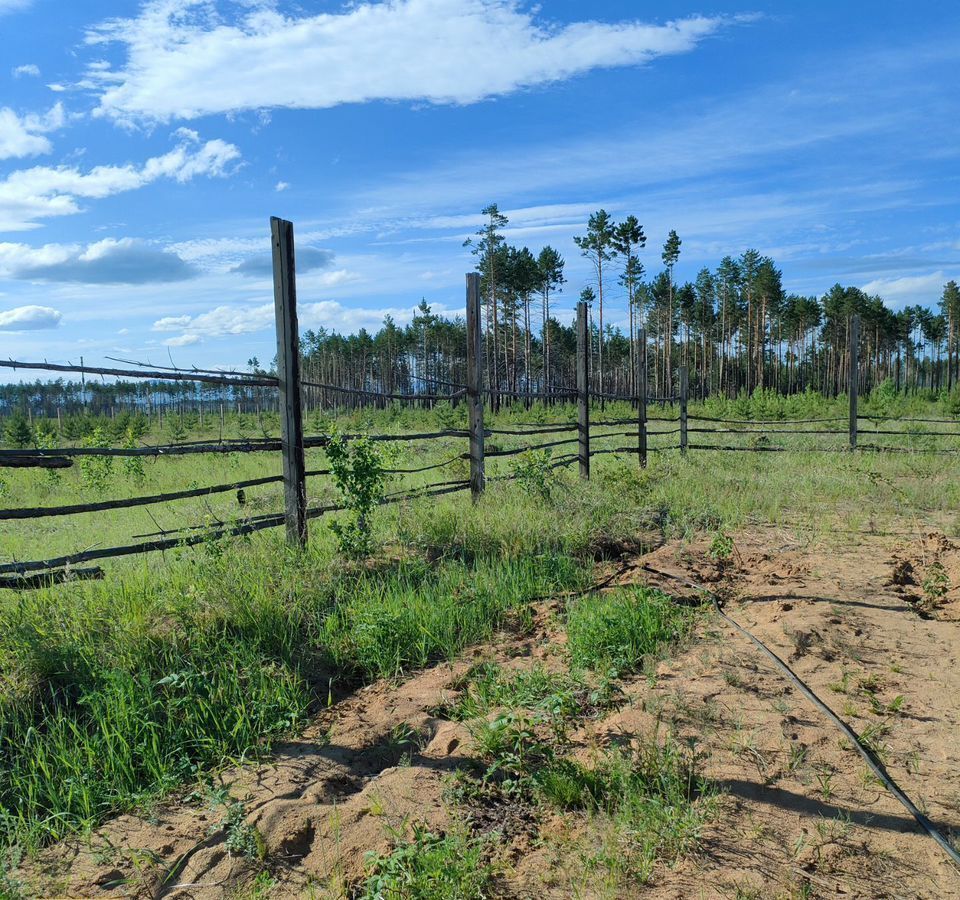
(734, 327)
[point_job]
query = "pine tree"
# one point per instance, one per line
(18, 433)
(488, 248)
(597, 246)
(670, 255)
(629, 235)
(550, 265)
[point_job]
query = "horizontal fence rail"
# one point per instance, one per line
(152, 375)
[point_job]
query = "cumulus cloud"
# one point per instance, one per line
(30, 69)
(110, 261)
(28, 195)
(29, 318)
(184, 59)
(308, 260)
(26, 135)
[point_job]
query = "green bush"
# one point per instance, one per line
(359, 471)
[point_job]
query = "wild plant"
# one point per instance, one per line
(429, 867)
(359, 472)
(240, 838)
(722, 549)
(936, 583)
(177, 430)
(132, 465)
(45, 439)
(95, 471)
(532, 472)
(17, 432)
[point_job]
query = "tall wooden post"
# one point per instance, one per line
(475, 386)
(854, 377)
(684, 396)
(641, 376)
(288, 373)
(583, 388)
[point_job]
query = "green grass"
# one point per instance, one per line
(642, 805)
(429, 867)
(422, 614)
(647, 805)
(618, 630)
(113, 692)
(117, 697)
(487, 687)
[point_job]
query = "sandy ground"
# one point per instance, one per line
(801, 816)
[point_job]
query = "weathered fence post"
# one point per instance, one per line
(475, 386)
(583, 388)
(288, 373)
(641, 356)
(684, 396)
(854, 377)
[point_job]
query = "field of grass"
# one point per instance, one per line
(112, 693)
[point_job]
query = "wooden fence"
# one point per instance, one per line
(293, 443)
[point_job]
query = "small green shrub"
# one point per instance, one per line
(532, 472)
(45, 439)
(17, 433)
(936, 583)
(429, 867)
(96, 471)
(359, 472)
(240, 838)
(132, 465)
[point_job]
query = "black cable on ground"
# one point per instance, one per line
(869, 757)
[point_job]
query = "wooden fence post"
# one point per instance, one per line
(641, 357)
(475, 386)
(684, 396)
(583, 388)
(854, 377)
(288, 373)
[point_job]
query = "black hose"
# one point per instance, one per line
(869, 757)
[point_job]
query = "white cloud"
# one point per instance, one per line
(42, 192)
(25, 136)
(9, 6)
(237, 320)
(184, 340)
(281, 186)
(925, 289)
(110, 261)
(185, 61)
(29, 69)
(29, 318)
(171, 323)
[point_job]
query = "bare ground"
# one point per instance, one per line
(800, 816)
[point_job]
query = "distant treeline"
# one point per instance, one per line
(734, 327)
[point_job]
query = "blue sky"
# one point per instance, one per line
(143, 147)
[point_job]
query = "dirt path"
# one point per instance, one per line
(809, 804)
(801, 817)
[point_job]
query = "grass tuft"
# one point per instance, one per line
(620, 629)
(429, 867)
